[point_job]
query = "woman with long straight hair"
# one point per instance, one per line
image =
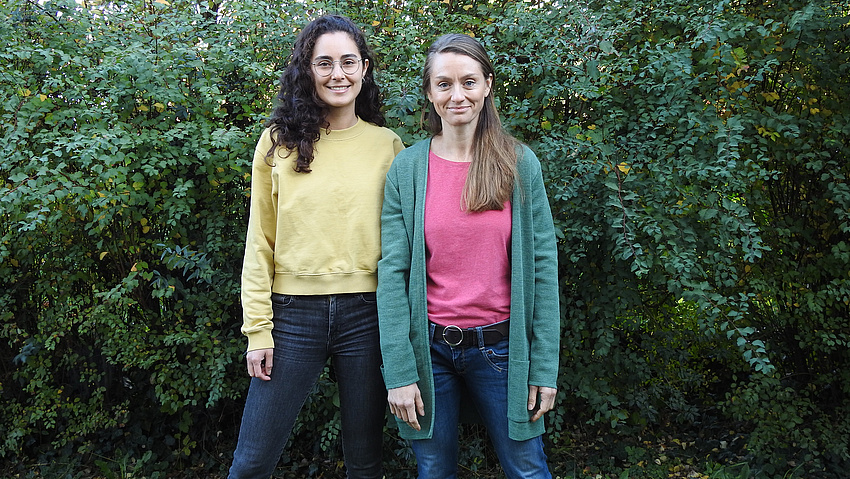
(309, 274)
(467, 283)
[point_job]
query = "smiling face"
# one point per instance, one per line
(338, 90)
(457, 88)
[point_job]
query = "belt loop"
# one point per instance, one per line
(479, 331)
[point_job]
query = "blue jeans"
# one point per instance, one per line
(308, 330)
(484, 373)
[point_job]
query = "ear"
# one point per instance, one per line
(489, 84)
(365, 66)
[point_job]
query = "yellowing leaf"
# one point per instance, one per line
(375, 23)
(103, 254)
(546, 125)
(143, 221)
(146, 229)
(133, 268)
(159, 106)
(42, 97)
(143, 108)
(25, 92)
(162, 2)
(625, 168)
(591, 127)
(467, 7)
(14, 262)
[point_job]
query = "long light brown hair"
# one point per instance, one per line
(492, 172)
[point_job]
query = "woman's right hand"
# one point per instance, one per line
(406, 404)
(260, 363)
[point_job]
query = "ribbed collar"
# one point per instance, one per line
(345, 134)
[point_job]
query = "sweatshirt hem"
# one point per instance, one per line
(329, 283)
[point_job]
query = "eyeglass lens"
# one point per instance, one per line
(326, 67)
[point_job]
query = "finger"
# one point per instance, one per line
(413, 420)
(259, 370)
(547, 399)
(537, 415)
(532, 397)
(547, 402)
(269, 360)
(420, 405)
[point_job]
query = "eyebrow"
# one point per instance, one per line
(464, 76)
(328, 57)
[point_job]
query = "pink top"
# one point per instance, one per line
(466, 254)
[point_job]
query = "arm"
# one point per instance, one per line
(393, 283)
(394, 315)
(258, 265)
(546, 318)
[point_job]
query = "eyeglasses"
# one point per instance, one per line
(326, 67)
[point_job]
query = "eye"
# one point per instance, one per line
(349, 62)
(324, 64)
(442, 85)
(469, 83)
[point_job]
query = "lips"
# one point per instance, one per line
(339, 88)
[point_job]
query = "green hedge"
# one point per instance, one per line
(696, 155)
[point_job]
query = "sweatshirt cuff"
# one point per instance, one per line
(260, 340)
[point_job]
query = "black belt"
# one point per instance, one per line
(456, 336)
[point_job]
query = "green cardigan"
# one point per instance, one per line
(402, 305)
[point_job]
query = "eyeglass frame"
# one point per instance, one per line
(337, 62)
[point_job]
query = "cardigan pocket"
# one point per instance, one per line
(518, 390)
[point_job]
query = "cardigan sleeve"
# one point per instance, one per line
(546, 317)
(394, 309)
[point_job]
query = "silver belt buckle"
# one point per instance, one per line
(453, 328)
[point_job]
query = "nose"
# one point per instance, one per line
(337, 73)
(457, 93)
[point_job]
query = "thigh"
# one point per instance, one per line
(357, 367)
(487, 380)
(272, 406)
(437, 457)
(301, 328)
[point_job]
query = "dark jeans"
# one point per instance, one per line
(481, 371)
(308, 330)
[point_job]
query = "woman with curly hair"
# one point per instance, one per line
(310, 270)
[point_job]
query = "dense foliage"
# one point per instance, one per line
(696, 154)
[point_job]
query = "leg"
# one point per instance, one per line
(271, 407)
(436, 458)
(356, 353)
(487, 378)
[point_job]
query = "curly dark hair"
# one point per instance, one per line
(297, 120)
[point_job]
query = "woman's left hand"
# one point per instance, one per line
(547, 400)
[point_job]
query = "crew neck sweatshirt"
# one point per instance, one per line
(314, 233)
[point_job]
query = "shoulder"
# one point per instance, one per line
(414, 153)
(380, 132)
(265, 139)
(411, 162)
(527, 162)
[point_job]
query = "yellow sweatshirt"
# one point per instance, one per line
(318, 232)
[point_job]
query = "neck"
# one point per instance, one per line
(453, 144)
(341, 119)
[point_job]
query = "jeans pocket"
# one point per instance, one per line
(496, 355)
(368, 298)
(282, 300)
